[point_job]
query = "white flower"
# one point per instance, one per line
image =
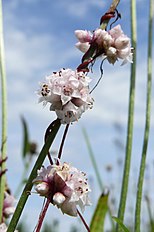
(83, 47)
(111, 55)
(68, 93)
(103, 38)
(3, 228)
(42, 188)
(83, 36)
(122, 44)
(67, 187)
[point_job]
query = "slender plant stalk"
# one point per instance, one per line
(4, 113)
(92, 157)
(42, 216)
(149, 206)
(96, 169)
(147, 126)
(26, 192)
(126, 172)
(63, 140)
(84, 222)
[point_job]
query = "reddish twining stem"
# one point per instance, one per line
(82, 219)
(42, 215)
(107, 16)
(62, 142)
(49, 131)
(50, 159)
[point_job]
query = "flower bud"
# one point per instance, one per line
(58, 198)
(42, 188)
(122, 42)
(112, 55)
(83, 36)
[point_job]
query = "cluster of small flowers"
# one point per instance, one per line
(68, 93)
(65, 185)
(8, 205)
(8, 209)
(112, 44)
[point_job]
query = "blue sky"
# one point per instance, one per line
(39, 39)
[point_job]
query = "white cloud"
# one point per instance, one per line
(80, 8)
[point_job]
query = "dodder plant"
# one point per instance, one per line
(69, 95)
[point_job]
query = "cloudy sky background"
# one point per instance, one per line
(39, 39)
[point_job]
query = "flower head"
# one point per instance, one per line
(8, 207)
(68, 93)
(112, 44)
(66, 186)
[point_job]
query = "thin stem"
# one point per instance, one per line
(126, 172)
(25, 194)
(84, 222)
(50, 159)
(42, 215)
(147, 126)
(63, 140)
(114, 5)
(4, 113)
(96, 169)
(149, 205)
(111, 10)
(93, 160)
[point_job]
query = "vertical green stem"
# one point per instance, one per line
(96, 169)
(92, 157)
(149, 206)
(4, 112)
(147, 126)
(126, 172)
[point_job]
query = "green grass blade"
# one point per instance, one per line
(124, 188)
(97, 222)
(93, 160)
(26, 192)
(4, 113)
(25, 148)
(147, 125)
(121, 225)
(149, 208)
(96, 169)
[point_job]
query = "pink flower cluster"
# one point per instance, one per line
(66, 186)
(8, 206)
(68, 93)
(112, 44)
